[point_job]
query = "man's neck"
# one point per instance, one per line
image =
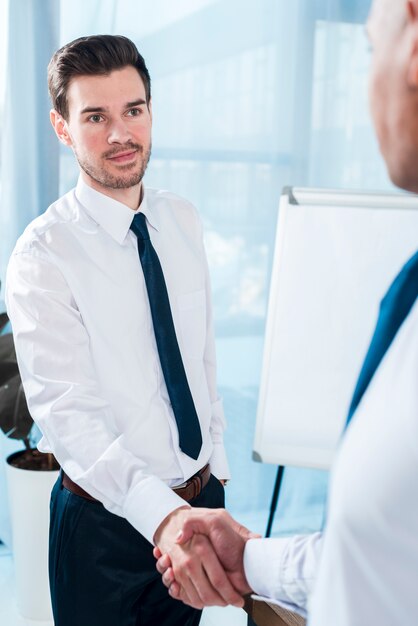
(131, 197)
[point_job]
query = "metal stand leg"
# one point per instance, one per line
(274, 499)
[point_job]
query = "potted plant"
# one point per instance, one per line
(30, 476)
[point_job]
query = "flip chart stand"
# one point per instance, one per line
(275, 499)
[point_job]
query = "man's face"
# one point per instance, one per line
(393, 92)
(109, 128)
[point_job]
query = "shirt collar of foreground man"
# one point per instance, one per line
(362, 570)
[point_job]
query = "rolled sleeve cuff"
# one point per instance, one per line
(217, 410)
(148, 504)
(263, 560)
(218, 462)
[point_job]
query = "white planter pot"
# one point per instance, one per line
(29, 495)
(7, 447)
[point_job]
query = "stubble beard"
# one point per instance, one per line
(127, 178)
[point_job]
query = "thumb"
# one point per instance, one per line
(190, 528)
(204, 526)
(244, 532)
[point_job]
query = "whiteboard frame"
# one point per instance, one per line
(307, 197)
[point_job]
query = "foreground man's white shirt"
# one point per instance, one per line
(366, 564)
(79, 308)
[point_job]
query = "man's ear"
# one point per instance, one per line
(149, 105)
(60, 126)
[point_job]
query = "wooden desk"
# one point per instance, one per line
(265, 614)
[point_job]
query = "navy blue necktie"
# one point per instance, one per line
(190, 436)
(394, 309)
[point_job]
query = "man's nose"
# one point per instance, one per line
(119, 132)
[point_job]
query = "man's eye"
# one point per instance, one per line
(96, 118)
(134, 112)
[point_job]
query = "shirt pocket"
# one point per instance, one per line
(192, 316)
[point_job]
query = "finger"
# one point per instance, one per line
(185, 534)
(198, 521)
(221, 587)
(245, 532)
(207, 575)
(187, 593)
(168, 577)
(157, 552)
(163, 563)
(195, 524)
(175, 591)
(191, 576)
(206, 521)
(178, 593)
(201, 592)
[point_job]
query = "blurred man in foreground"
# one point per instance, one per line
(363, 569)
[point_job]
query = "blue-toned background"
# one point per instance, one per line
(247, 97)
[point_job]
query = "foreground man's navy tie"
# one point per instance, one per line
(394, 309)
(190, 436)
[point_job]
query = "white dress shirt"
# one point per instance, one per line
(79, 308)
(366, 563)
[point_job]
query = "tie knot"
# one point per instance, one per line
(139, 226)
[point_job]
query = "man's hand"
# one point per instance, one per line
(195, 565)
(228, 539)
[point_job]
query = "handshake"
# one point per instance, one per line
(204, 566)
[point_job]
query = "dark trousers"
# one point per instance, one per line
(102, 571)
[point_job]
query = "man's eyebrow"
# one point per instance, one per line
(128, 105)
(93, 110)
(135, 103)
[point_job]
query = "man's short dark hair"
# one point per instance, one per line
(92, 56)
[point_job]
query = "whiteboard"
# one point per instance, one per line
(336, 254)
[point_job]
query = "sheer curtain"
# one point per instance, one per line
(29, 152)
(247, 97)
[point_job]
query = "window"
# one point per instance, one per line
(247, 97)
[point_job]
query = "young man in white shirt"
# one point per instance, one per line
(97, 288)
(363, 569)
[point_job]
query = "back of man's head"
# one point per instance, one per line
(393, 32)
(92, 56)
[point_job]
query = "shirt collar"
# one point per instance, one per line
(113, 216)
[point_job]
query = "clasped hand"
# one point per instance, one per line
(204, 566)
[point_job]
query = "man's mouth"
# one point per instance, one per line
(123, 157)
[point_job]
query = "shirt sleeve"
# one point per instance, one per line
(283, 569)
(218, 461)
(60, 384)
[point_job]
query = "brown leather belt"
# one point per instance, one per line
(190, 490)
(194, 485)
